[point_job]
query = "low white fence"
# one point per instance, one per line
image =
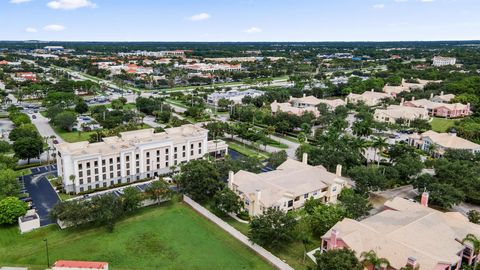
(275, 261)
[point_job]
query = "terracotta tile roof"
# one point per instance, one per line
(80, 264)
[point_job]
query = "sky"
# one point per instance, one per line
(239, 20)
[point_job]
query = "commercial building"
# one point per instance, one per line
(439, 61)
(440, 109)
(441, 142)
(396, 112)
(79, 265)
(407, 234)
(370, 98)
(132, 156)
(233, 95)
(286, 188)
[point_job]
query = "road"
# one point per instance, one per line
(292, 146)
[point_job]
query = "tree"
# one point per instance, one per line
(277, 158)
(325, 217)
(370, 259)
(81, 107)
(158, 190)
(72, 213)
(226, 201)
(106, 210)
(10, 209)
(131, 199)
(337, 259)
(310, 205)
(199, 179)
(356, 205)
(474, 242)
(367, 179)
(474, 216)
(9, 185)
(23, 131)
(273, 229)
(5, 147)
(28, 147)
(444, 195)
(65, 120)
(301, 137)
(379, 144)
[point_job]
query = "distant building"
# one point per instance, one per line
(370, 98)
(439, 61)
(311, 102)
(286, 188)
(407, 234)
(79, 265)
(25, 76)
(233, 95)
(177, 53)
(442, 98)
(202, 67)
(406, 87)
(2, 85)
(442, 142)
(132, 156)
(395, 112)
(54, 48)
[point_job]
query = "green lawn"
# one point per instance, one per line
(166, 237)
(442, 124)
(75, 136)
(246, 149)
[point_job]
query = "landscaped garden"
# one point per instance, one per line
(171, 236)
(442, 124)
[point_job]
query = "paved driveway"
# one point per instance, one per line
(42, 193)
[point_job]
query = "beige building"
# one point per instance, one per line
(406, 87)
(299, 106)
(370, 98)
(407, 233)
(395, 112)
(442, 142)
(132, 156)
(287, 187)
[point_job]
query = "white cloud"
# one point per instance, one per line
(31, 30)
(19, 1)
(199, 17)
(378, 6)
(253, 29)
(70, 4)
(54, 27)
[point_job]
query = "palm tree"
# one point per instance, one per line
(379, 144)
(474, 246)
(371, 259)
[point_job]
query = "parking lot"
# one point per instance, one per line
(41, 192)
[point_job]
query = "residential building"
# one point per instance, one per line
(132, 156)
(395, 112)
(407, 234)
(370, 98)
(25, 76)
(311, 102)
(406, 87)
(287, 107)
(177, 53)
(447, 110)
(233, 95)
(2, 85)
(442, 142)
(79, 265)
(439, 61)
(286, 188)
(442, 98)
(202, 67)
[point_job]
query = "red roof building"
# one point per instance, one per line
(79, 265)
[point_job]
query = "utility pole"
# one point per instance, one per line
(46, 248)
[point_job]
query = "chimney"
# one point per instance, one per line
(431, 95)
(413, 98)
(304, 95)
(402, 101)
(424, 200)
(412, 262)
(258, 196)
(305, 158)
(333, 239)
(339, 170)
(441, 93)
(231, 176)
(373, 90)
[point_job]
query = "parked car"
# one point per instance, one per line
(34, 117)
(55, 141)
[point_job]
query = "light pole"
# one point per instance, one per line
(46, 249)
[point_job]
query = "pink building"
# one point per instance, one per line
(447, 110)
(407, 233)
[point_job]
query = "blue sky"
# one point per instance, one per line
(239, 20)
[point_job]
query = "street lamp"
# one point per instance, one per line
(46, 249)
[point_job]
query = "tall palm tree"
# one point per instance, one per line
(379, 144)
(474, 242)
(371, 259)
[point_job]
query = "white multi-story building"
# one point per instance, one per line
(440, 61)
(132, 156)
(232, 95)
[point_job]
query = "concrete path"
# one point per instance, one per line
(275, 261)
(292, 146)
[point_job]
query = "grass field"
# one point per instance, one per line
(166, 237)
(442, 124)
(72, 137)
(246, 150)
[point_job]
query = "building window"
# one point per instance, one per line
(166, 157)
(127, 158)
(183, 147)
(191, 153)
(297, 198)
(118, 159)
(88, 172)
(118, 166)
(158, 152)
(137, 156)
(104, 176)
(175, 149)
(111, 160)
(191, 146)
(111, 175)
(80, 181)
(88, 165)
(97, 178)
(103, 162)
(111, 167)
(305, 196)
(89, 180)
(199, 145)
(80, 166)
(80, 174)
(148, 154)
(96, 170)
(166, 150)
(95, 163)
(183, 154)
(166, 164)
